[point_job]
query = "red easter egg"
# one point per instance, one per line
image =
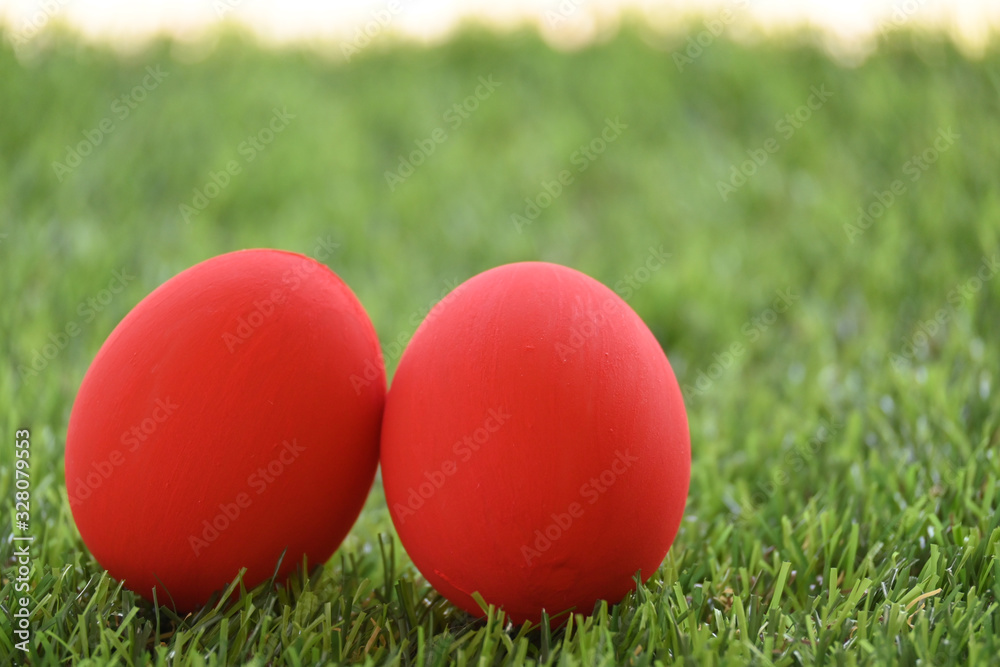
(535, 445)
(231, 417)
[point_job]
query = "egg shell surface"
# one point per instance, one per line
(535, 445)
(231, 417)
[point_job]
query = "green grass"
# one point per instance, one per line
(843, 508)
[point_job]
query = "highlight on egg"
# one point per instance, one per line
(535, 445)
(230, 420)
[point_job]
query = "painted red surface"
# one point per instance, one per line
(234, 414)
(535, 445)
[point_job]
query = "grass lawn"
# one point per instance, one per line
(830, 306)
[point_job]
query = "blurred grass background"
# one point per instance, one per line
(903, 431)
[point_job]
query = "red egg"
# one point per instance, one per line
(233, 416)
(535, 445)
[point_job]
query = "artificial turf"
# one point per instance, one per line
(820, 305)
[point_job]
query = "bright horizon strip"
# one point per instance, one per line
(850, 25)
